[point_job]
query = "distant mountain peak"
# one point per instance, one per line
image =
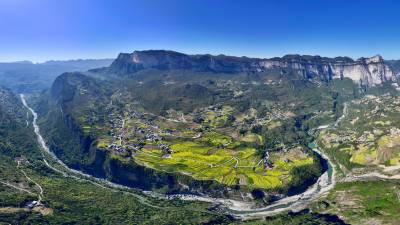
(375, 59)
(365, 71)
(19, 62)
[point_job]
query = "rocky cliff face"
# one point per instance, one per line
(160, 59)
(364, 71)
(394, 65)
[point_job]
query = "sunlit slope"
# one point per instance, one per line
(238, 130)
(369, 135)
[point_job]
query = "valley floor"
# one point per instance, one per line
(65, 195)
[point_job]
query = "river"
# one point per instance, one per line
(238, 209)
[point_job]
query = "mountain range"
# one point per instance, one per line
(363, 71)
(269, 134)
(25, 76)
(282, 97)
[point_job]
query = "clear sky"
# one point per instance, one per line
(40, 30)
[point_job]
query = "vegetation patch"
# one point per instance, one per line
(360, 202)
(237, 166)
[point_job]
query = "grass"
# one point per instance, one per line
(102, 144)
(218, 139)
(252, 138)
(77, 202)
(359, 202)
(365, 136)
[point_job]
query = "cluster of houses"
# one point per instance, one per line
(266, 162)
(147, 133)
(119, 135)
(135, 115)
(117, 148)
(394, 131)
(277, 115)
(343, 138)
(366, 137)
(33, 204)
(152, 136)
(166, 150)
(382, 106)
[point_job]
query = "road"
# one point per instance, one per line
(324, 184)
(246, 210)
(239, 209)
(15, 187)
(40, 195)
(78, 175)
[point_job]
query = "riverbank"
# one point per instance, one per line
(241, 210)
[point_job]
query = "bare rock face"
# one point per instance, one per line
(367, 71)
(364, 71)
(169, 60)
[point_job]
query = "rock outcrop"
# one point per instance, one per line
(364, 71)
(160, 59)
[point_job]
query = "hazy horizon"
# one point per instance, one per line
(76, 59)
(45, 30)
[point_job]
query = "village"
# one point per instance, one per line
(211, 143)
(370, 133)
(132, 130)
(147, 132)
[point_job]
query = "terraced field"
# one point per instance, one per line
(369, 136)
(213, 143)
(231, 165)
(368, 202)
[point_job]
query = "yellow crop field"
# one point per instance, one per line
(230, 166)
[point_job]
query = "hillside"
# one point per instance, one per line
(35, 189)
(33, 192)
(167, 121)
(363, 71)
(28, 77)
(175, 124)
(395, 65)
(232, 134)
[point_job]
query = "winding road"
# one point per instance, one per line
(15, 187)
(40, 195)
(78, 175)
(239, 209)
(246, 210)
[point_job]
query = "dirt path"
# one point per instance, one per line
(40, 195)
(12, 210)
(344, 114)
(239, 209)
(75, 174)
(370, 176)
(15, 187)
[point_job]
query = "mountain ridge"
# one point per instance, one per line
(26, 77)
(363, 71)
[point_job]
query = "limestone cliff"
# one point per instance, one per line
(364, 71)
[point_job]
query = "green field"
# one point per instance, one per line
(231, 166)
(369, 135)
(365, 202)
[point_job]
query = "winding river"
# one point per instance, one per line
(295, 203)
(238, 209)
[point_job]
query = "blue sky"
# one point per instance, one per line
(40, 30)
